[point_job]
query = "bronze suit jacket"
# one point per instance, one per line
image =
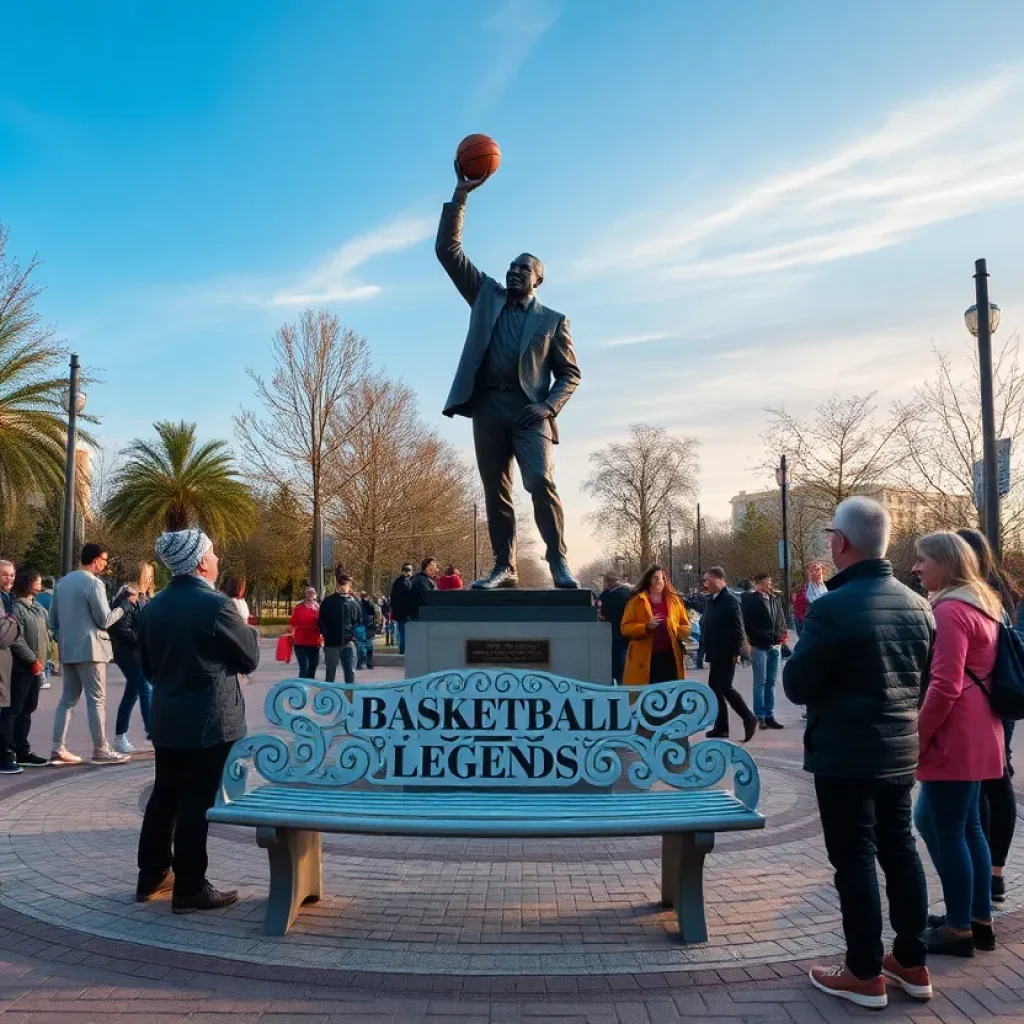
(547, 363)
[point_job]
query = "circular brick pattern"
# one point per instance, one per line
(436, 907)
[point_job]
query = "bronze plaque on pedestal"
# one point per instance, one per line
(510, 653)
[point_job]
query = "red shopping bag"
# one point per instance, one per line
(284, 649)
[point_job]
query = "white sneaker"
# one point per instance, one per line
(121, 744)
(109, 756)
(46, 685)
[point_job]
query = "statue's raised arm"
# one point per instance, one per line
(460, 269)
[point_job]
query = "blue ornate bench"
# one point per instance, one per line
(492, 754)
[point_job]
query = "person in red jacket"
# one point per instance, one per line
(809, 592)
(961, 741)
(450, 580)
(304, 626)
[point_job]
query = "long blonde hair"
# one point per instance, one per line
(144, 578)
(960, 570)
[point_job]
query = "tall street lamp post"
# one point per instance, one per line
(782, 478)
(982, 320)
(73, 400)
(700, 568)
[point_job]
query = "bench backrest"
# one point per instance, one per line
(504, 728)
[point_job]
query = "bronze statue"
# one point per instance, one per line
(517, 370)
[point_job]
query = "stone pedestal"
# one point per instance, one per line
(554, 630)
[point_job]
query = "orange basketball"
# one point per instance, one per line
(478, 156)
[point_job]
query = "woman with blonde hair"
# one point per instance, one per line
(656, 625)
(132, 598)
(961, 741)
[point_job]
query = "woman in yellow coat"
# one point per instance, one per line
(656, 625)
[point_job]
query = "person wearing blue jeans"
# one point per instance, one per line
(766, 662)
(764, 621)
(948, 817)
(400, 632)
(137, 689)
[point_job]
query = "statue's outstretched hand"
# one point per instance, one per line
(464, 184)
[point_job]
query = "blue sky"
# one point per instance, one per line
(737, 204)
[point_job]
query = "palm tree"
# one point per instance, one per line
(32, 421)
(176, 483)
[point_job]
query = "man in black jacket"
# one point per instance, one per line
(765, 624)
(612, 603)
(722, 632)
(400, 601)
(340, 613)
(858, 666)
(422, 584)
(192, 645)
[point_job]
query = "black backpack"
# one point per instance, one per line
(1005, 690)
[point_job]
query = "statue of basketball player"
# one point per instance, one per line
(517, 370)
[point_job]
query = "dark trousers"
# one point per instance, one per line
(16, 720)
(308, 658)
(496, 445)
(184, 790)
(136, 688)
(998, 816)
(663, 667)
(863, 819)
(720, 679)
(619, 652)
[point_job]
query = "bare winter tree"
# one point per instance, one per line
(318, 367)
(940, 438)
(640, 484)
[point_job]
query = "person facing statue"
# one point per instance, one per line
(517, 371)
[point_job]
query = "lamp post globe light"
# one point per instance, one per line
(73, 400)
(982, 319)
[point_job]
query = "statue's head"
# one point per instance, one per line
(524, 275)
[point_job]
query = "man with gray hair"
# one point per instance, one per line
(858, 667)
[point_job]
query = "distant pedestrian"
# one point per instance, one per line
(305, 630)
(371, 622)
(44, 599)
(7, 573)
(998, 799)
(764, 620)
(80, 617)
(858, 667)
(193, 646)
(961, 741)
(656, 626)
(131, 599)
(721, 628)
(450, 579)
(422, 583)
(611, 604)
(401, 603)
(809, 592)
(27, 674)
(340, 614)
(234, 588)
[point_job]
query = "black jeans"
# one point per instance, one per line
(998, 816)
(862, 819)
(185, 789)
(16, 720)
(720, 679)
(308, 658)
(663, 667)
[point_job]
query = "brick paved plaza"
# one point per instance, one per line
(414, 929)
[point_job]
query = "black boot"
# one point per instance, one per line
(499, 576)
(561, 577)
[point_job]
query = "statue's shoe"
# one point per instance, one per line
(500, 576)
(561, 577)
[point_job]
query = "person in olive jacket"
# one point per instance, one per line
(858, 667)
(193, 645)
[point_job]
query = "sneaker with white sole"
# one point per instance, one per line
(62, 756)
(840, 982)
(915, 981)
(109, 756)
(121, 744)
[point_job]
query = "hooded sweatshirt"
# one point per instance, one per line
(961, 738)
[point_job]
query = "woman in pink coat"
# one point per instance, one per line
(961, 741)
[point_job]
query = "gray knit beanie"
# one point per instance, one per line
(182, 550)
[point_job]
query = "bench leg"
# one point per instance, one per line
(296, 874)
(682, 880)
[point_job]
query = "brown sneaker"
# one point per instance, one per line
(62, 756)
(915, 981)
(838, 981)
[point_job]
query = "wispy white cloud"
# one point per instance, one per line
(518, 27)
(333, 279)
(631, 339)
(932, 161)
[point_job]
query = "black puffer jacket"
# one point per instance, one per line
(858, 666)
(124, 634)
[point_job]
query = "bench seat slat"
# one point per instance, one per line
(486, 815)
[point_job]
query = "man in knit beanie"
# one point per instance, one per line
(193, 645)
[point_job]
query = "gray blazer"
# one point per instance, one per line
(80, 617)
(547, 363)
